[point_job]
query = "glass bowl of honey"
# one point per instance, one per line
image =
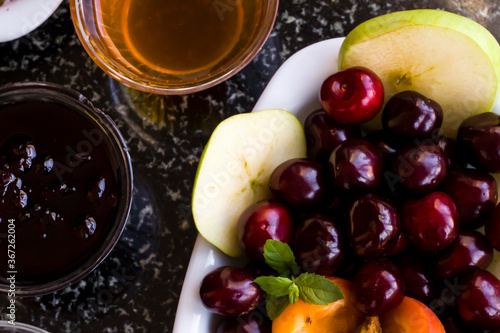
(173, 47)
(65, 187)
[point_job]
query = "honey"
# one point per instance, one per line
(182, 38)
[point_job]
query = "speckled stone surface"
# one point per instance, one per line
(136, 289)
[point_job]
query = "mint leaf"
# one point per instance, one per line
(287, 289)
(276, 286)
(276, 305)
(316, 289)
(293, 293)
(280, 257)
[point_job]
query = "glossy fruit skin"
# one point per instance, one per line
(374, 226)
(299, 183)
(479, 303)
(350, 264)
(383, 142)
(492, 228)
(319, 245)
(378, 287)
(259, 268)
(230, 291)
(411, 316)
(352, 96)
(410, 115)
(420, 282)
(471, 250)
(356, 165)
(303, 317)
(323, 135)
(266, 219)
(401, 244)
(451, 151)
(420, 168)
(479, 136)
(430, 223)
(250, 323)
(453, 323)
(475, 195)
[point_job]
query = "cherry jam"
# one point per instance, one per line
(58, 189)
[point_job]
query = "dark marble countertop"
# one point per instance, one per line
(136, 289)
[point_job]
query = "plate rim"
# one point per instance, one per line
(20, 17)
(191, 316)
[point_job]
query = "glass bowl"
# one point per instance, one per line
(109, 42)
(109, 149)
(5, 327)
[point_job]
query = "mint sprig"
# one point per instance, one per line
(280, 257)
(275, 305)
(290, 286)
(276, 286)
(316, 289)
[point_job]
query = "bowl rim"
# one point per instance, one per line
(254, 48)
(117, 144)
(25, 327)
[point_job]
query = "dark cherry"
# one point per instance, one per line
(383, 142)
(356, 165)
(374, 226)
(479, 136)
(401, 245)
(420, 168)
(98, 193)
(323, 135)
(452, 322)
(266, 219)
(230, 291)
(336, 206)
(21, 152)
(492, 228)
(350, 265)
(19, 145)
(451, 150)
(377, 287)
(471, 250)
(410, 115)
(479, 303)
(86, 227)
(254, 322)
(259, 268)
(430, 223)
(353, 95)
(319, 246)
(298, 182)
(45, 164)
(475, 195)
(420, 282)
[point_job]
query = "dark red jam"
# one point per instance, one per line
(58, 185)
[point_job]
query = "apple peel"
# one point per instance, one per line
(235, 167)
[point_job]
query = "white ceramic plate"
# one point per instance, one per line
(294, 88)
(20, 17)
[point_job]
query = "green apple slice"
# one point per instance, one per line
(446, 57)
(494, 267)
(235, 167)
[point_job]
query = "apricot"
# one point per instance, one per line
(410, 316)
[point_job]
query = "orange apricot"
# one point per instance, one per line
(410, 316)
(301, 317)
